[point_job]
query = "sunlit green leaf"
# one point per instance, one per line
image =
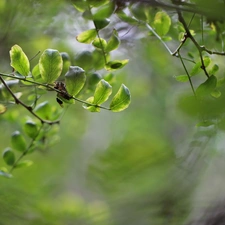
(75, 79)
(99, 43)
(31, 129)
(105, 11)
(214, 69)
(50, 65)
(216, 93)
(162, 23)
(2, 109)
(18, 142)
(100, 24)
(9, 156)
(36, 74)
(121, 100)
(80, 5)
(113, 42)
(116, 64)
(198, 66)
(66, 64)
(19, 60)
(181, 78)
(24, 163)
(207, 87)
(102, 92)
(87, 36)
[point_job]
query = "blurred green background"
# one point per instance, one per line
(108, 168)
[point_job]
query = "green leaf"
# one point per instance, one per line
(84, 60)
(102, 92)
(50, 65)
(182, 78)
(24, 163)
(43, 110)
(94, 78)
(90, 107)
(100, 24)
(9, 156)
(162, 23)
(214, 69)
(31, 129)
(99, 60)
(36, 74)
(121, 100)
(216, 93)
(99, 43)
(2, 109)
(81, 6)
(198, 66)
(97, 3)
(113, 42)
(128, 19)
(87, 36)
(66, 63)
(18, 141)
(116, 64)
(19, 60)
(75, 79)
(207, 87)
(104, 11)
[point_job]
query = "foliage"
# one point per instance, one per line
(195, 32)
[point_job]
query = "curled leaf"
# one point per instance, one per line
(102, 92)
(113, 42)
(121, 100)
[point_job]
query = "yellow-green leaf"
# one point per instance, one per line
(121, 100)
(19, 60)
(50, 65)
(87, 36)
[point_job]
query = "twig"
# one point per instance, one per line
(160, 39)
(49, 87)
(189, 35)
(29, 108)
(189, 77)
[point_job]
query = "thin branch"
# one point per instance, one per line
(159, 38)
(102, 47)
(29, 108)
(49, 87)
(189, 77)
(189, 35)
